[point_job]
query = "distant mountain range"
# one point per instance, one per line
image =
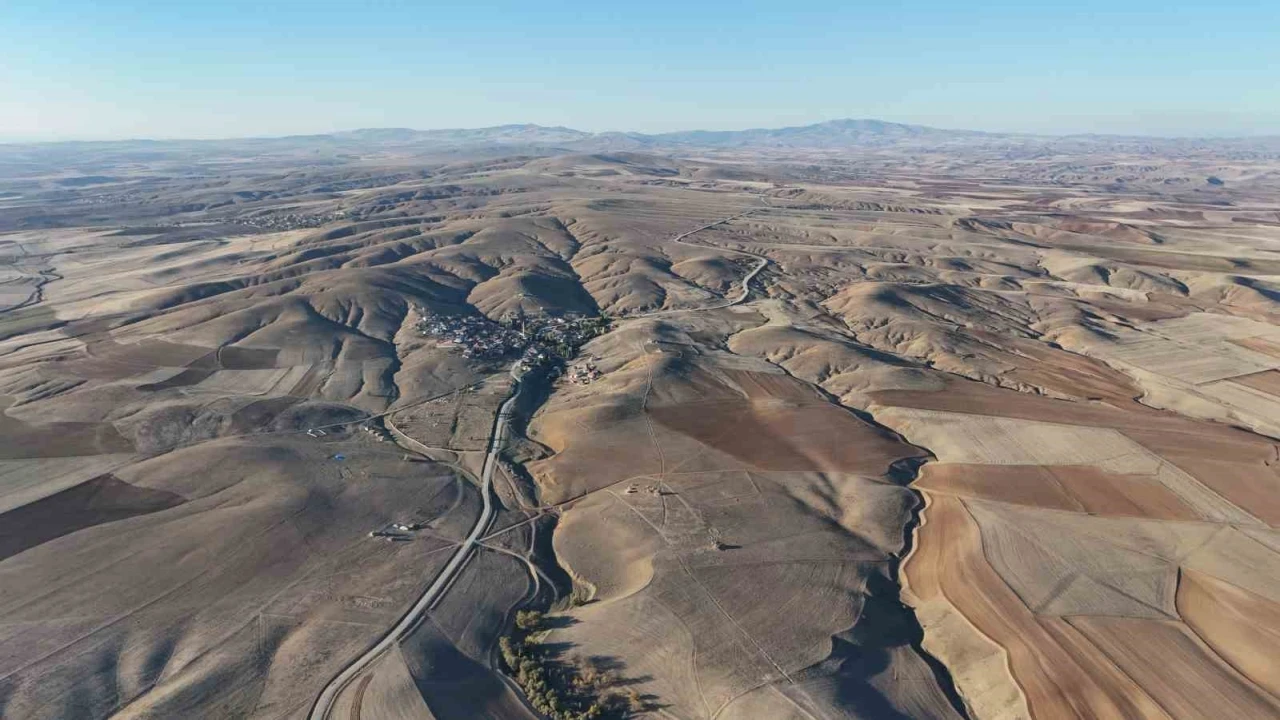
(834, 135)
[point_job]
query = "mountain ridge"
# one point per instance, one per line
(838, 134)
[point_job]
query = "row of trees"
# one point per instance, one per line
(561, 691)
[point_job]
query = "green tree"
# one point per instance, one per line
(510, 652)
(528, 620)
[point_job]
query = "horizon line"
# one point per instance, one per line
(587, 133)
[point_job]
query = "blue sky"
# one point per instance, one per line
(110, 69)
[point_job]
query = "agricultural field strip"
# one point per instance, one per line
(249, 382)
(1197, 349)
(994, 440)
(1262, 407)
(47, 476)
(123, 616)
(710, 596)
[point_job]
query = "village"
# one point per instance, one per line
(540, 340)
(276, 221)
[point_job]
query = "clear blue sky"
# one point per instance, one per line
(112, 68)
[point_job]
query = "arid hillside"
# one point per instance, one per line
(395, 430)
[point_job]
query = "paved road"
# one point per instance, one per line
(324, 703)
(761, 263)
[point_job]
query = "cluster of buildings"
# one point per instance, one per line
(477, 336)
(398, 532)
(538, 340)
(564, 334)
(535, 356)
(293, 221)
(380, 434)
(583, 373)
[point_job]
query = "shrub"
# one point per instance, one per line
(528, 620)
(511, 651)
(634, 702)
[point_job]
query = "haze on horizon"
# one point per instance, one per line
(125, 69)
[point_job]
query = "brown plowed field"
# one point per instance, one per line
(1268, 381)
(1077, 488)
(1242, 627)
(101, 500)
(1073, 569)
(1061, 674)
(777, 436)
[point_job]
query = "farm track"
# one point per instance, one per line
(43, 276)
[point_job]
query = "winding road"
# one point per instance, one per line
(324, 702)
(761, 263)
